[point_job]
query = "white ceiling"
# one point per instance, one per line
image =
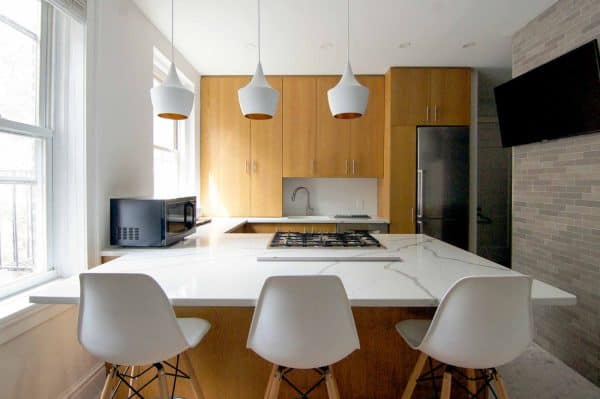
(309, 36)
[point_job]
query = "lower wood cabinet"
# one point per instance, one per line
(286, 227)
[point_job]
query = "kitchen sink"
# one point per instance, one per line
(310, 218)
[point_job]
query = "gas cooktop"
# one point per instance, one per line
(348, 239)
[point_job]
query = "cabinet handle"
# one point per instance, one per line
(353, 167)
(346, 169)
(253, 166)
(246, 162)
(435, 113)
(427, 112)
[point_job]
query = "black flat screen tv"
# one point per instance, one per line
(558, 99)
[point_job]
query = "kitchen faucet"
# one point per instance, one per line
(309, 210)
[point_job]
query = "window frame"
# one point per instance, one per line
(44, 131)
(184, 130)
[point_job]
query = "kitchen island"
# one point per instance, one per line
(216, 276)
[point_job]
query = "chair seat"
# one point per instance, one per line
(193, 329)
(413, 331)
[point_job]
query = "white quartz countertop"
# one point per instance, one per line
(216, 269)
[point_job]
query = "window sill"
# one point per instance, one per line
(18, 315)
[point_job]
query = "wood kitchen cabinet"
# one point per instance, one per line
(240, 160)
(366, 132)
(430, 96)
(299, 125)
(350, 148)
(333, 135)
(225, 148)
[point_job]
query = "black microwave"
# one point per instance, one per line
(150, 222)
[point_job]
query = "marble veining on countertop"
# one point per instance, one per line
(216, 269)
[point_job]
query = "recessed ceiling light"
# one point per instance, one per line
(404, 45)
(468, 44)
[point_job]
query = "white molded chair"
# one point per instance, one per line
(128, 321)
(481, 323)
(303, 322)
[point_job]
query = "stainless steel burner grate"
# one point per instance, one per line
(348, 239)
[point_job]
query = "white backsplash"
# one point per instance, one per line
(329, 196)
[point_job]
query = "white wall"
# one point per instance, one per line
(120, 129)
(45, 360)
(331, 196)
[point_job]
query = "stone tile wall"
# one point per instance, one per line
(556, 200)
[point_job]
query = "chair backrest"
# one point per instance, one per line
(482, 322)
(303, 322)
(127, 319)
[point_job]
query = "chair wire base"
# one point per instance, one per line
(125, 378)
(485, 376)
(321, 371)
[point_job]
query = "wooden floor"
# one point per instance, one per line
(227, 370)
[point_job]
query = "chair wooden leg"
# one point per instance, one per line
(162, 384)
(332, 388)
(274, 385)
(471, 383)
(500, 386)
(446, 385)
(270, 381)
(131, 381)
(110, 377)
(414, 376)
(196, 388)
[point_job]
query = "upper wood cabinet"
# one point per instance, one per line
(366, 132)
(225, 148)
(430, 96)
(451, 96)
(240, 160)
(333, 135)
(299, 126)
(266, 162)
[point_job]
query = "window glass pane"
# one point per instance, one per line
(164, 130)
(23, 249)
(166, 172)
(19, 60)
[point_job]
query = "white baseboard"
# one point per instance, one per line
(89, 387)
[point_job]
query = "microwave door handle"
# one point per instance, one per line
(185, 215)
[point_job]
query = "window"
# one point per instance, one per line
(174, 145)
(25, 143)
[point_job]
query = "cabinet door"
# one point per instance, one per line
(366, 132)
(403, 170)
(410, 96)
(299, 126)
(232, 191)
(451, 96)
(209, 144)
(265, 166)
(333, 135)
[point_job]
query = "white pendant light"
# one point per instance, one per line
(348, 99)
(172, 100)
(258, 100)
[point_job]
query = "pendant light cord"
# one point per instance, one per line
(348, 31)
(172, 36)
(258, 12)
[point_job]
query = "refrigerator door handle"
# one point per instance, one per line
(419, 193)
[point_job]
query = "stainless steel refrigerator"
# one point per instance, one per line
(443, 184)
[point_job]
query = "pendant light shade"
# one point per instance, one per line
(170, 99)
(258, 100)
(348, 99)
